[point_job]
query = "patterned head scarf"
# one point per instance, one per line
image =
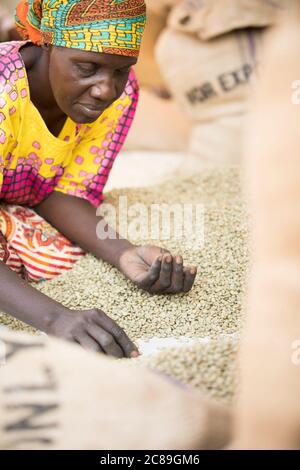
(109, 26)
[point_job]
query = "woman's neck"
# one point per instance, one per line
(36, 60)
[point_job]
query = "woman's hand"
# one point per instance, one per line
(93, 330)
(155, 270)
(149, 267)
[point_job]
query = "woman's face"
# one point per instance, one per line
(85, 83)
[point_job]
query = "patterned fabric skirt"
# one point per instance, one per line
(32, 247)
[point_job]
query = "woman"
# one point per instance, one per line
(67, 99)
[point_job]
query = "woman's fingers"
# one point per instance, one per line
(177, 275)
(152, 275)
(165, 277)
(119, 336)
(174, 278)
(105, 340)
(87, 342)
(189, 278)
(129, 348)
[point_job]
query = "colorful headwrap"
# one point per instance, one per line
(109, 26)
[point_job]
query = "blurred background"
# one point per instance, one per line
(197, 65)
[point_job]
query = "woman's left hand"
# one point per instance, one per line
(156, 270)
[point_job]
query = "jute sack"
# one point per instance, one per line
(161, 6)
(147, 70)
(158, 125)
(209, 19)
(209, 79)
(215, 143)
(211, 82)
(6, 24)
(54, 395)
(268, 414)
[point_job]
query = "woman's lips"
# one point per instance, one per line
(91, 112)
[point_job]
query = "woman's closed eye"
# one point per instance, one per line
(86, 69)
(124, 70)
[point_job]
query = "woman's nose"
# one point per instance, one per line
(104, 89)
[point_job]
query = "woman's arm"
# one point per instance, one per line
(76, 219)
(149, 267)
(24, 302)
(90, 328)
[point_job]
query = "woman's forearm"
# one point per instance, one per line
(76, 219)
(19, 299)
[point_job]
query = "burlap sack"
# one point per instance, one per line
(10, 4)
(209, 79)
(147, 70)
(54, 395)
(161, 6)
(209, 19)
(6, 24)
(215, 144)
(210, 82)
(158, 125)
(269, 406)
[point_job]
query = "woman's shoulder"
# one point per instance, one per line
(10, 52)
(11, 64)
(13, 82)
(12, 68)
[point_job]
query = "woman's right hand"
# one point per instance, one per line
(93, 330)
